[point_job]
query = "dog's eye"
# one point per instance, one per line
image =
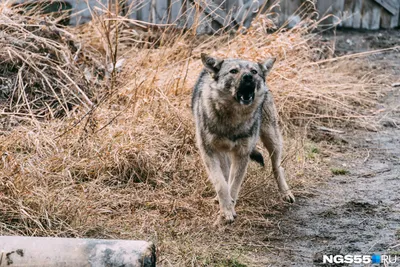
(234, 71)
(254, 71)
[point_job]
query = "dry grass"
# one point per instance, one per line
(42, 66)
(130, 168)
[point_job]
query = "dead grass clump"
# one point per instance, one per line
(41, 74)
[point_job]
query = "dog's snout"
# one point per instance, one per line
(247, 77)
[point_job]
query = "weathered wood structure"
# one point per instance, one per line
(211, 15)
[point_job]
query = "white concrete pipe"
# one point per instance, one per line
(73, 252)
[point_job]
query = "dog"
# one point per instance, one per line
(232, 109)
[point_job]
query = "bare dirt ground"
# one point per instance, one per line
(356, 213)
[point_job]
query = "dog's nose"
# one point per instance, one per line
(247, 77)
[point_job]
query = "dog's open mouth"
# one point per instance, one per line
(245, 94)
(245, 99)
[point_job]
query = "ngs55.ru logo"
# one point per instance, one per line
(358, 259)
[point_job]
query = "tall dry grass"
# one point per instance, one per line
(126, 165)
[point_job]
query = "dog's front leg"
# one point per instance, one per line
(237, 172)
(216, 176)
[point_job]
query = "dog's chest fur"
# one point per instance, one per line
(225, 124)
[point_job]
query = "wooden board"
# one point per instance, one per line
(214, 10)
(131, 11)
(143, 12)
(190, 14)
(289, 8)
(395, 21)
(357, 14)
(371, 15)
(324, 8)
(375, 18)
(175, 11)
(389, 5)
(366, 14)
(337, 11)
(386, 19)
(348, 13)
(161, 8)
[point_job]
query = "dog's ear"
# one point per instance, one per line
(213, 65)
(267, 65)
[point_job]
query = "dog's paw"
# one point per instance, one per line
(288, 197)
(229, 216)
(226, 216)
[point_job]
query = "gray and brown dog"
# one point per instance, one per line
(232, 108)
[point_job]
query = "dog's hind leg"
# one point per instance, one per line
(272, 139)
(216, 175)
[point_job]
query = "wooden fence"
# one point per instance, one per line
(211, 15)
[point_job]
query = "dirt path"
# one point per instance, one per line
(357, 213)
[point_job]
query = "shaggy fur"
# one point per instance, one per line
(232, 108)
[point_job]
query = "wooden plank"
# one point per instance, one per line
(347, 17)
(209, 7)
(81, 13)
(132, 9)
(324, 8)
(395, 21)
(337, 11)
(366, 14)
(143, 12)
(386, 18)
(288, 9)
(389, 5)
(265, 6)
(357, 14)
(181, 21)
(204, 26)
(175, 10)
(246, 13)
(161, 7)
(190, 14)
(242, 12)
(230, 7)
(371, 13)
(375, 17)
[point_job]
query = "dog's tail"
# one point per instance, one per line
(257, 157)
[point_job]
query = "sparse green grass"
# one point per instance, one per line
(339, 171)
(315, 150)
(394, 253)
(312, 151)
